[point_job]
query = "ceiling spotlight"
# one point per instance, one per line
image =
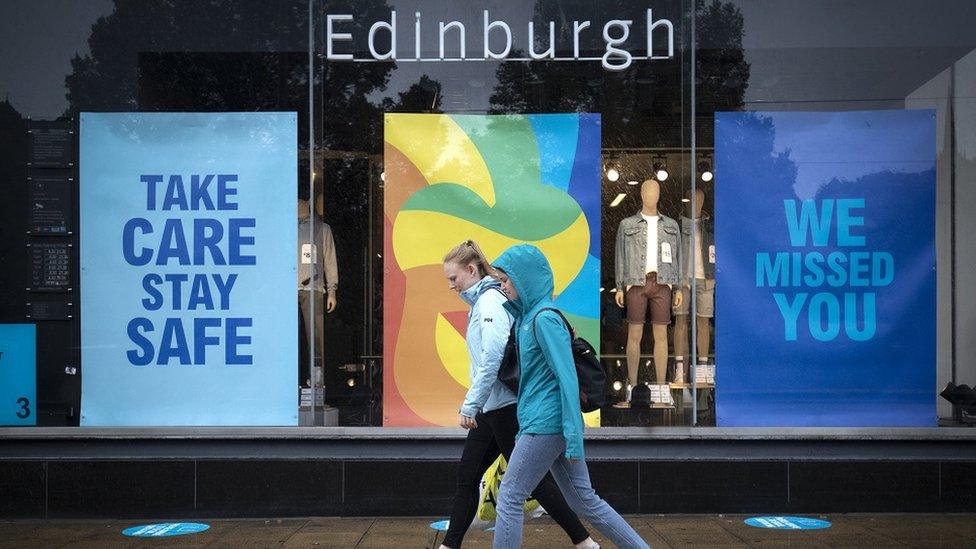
(351, 382)
(660, 172)
(706, 172)
(613, 174)
(633, 183)
(617, 385)
(382, 176)
(616, 201)
(686, 200)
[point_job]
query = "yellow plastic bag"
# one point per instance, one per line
(490, 485)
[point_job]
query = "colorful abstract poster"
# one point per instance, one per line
(825, 257)
(499, 180)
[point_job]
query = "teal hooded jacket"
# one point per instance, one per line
(548, 397)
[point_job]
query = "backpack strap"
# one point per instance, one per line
(572, 331)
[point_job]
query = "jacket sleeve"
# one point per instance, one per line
(679, 256)
(554, 339)
(619, 258)
(328, 258)
(495, 326)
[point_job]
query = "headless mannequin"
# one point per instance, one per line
(650, 194)
(310, 292)
(681, 320)
(303, 213)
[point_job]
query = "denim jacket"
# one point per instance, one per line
(631, 251)
(707, 235)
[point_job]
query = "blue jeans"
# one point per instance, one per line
(532, 457)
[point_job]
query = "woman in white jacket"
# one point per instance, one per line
(488, 411)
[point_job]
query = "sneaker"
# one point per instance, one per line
(679, 372)
(625, 403)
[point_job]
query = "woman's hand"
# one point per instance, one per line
(467, 422)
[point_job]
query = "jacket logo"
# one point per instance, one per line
(487, 320)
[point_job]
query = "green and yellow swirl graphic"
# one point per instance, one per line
(499, 180)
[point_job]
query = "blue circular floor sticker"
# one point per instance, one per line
(165, 529)
(441, 525)
(788, 523)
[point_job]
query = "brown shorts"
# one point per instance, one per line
(651, 295)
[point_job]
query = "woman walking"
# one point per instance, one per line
(488, 411)
(550, 436)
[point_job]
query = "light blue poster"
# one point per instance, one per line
(18, 374)
(188, 236)
(825, 286)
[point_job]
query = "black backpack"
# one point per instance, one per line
(589, 371)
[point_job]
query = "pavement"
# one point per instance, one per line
(725, 531)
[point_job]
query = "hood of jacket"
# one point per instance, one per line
(471, 295)
(531, 275)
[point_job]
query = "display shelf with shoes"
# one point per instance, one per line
(649, 415)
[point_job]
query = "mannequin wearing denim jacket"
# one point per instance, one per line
(631, 270)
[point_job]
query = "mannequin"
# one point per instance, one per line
(699, 243)
(648, 256)
(319, 260)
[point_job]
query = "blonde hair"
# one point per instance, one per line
(467, 253)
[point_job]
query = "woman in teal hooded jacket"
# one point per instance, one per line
(550, 437)
(488, 411)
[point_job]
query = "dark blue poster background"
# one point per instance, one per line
(825, 256)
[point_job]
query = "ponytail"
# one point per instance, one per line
(468, 253)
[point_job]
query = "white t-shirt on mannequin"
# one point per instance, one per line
(651, 254)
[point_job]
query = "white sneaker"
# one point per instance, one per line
(625, 403)
(679, 372)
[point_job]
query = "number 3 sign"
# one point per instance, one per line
(18, 374)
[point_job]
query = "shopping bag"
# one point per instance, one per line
(490, 484)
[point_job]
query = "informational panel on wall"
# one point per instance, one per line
(50, 204)
(498, 180)
(49, 145)
(18, 374)
(188, 236)
(50, 267)
(825, 290)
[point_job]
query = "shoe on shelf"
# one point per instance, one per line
(679, 372)
(625, 403)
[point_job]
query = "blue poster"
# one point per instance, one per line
(188, 238)
(18, 374)
(825, 257)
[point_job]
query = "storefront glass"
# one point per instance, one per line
(793, 174)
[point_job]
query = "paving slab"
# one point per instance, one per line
(398, 533)
(330, 532)
(910, 529)
(697, 531)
